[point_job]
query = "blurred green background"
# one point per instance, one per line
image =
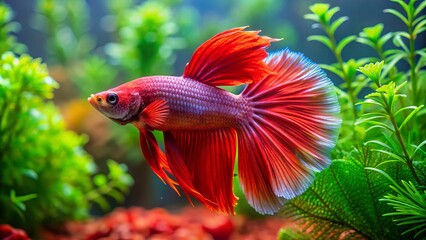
(91, 46)
(56, 150)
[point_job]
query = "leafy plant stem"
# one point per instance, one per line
(412, 62)
(409, 160)
(339, 59)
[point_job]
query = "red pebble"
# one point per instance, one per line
(220, 227)
(7, 232)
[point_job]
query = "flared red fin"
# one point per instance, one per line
(180, 170)
(208, 157)
(254, 172)
(294, 125)
(156, 158)
(232, 57)
(156, 113)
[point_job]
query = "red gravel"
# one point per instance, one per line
(158, 224)
(7, 232)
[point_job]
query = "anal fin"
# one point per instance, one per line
(203, 164)
(156, 158)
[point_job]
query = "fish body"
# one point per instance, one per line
(192, 104)
(284, 122)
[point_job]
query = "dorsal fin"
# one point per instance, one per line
(156, 113)
(230, 58)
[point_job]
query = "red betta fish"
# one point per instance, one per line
(284, 122)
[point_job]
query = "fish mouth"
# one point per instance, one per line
(91, 99)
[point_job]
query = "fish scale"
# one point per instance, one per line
(194, 105)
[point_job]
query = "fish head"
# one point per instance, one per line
(120, 105)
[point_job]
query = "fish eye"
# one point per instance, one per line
(112, 98)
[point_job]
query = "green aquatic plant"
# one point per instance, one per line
(344, 200)
(409, 204)
(145, 43)
(390, 120)
(67, 28)
(45, 174)
(322, 15)
(382, 139)
(7, 29)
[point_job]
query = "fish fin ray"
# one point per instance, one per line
(254, 172)
(291, 133)
(180, 170)
(209, 158)
(156, 158)
(156, 113)
(230, 58)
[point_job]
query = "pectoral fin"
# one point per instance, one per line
(156, 113)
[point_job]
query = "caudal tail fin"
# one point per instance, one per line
(293, 127)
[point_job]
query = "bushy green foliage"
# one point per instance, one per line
(45, 175)
(145, 44)
(344, 199)
(409, 204)
(66, 25)
(382, 140)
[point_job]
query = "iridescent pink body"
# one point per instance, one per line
(194, 105)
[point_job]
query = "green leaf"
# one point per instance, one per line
(399, 43)
(336, 24)
(397, 14)
(384, 125)
(419, 8)
(330, 13)
(372, 71)
(319, 9)
(392, 143)
(118, 196)
(418, 147)
(397, 88)
(311, 16)
(419, 19)
(403, 109)
(371, 101)
(406, 7)
(384, 39)
(366, 41)
(395, 58)
(344, 42)
(101, 202)
(19, 201)
(100, 180)
(419, 28)
(332, 69)
(372, 33)
(322, 39)
(366, 119)
(378, 143)
(374, 127)
(409, 117)
(390, 154)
